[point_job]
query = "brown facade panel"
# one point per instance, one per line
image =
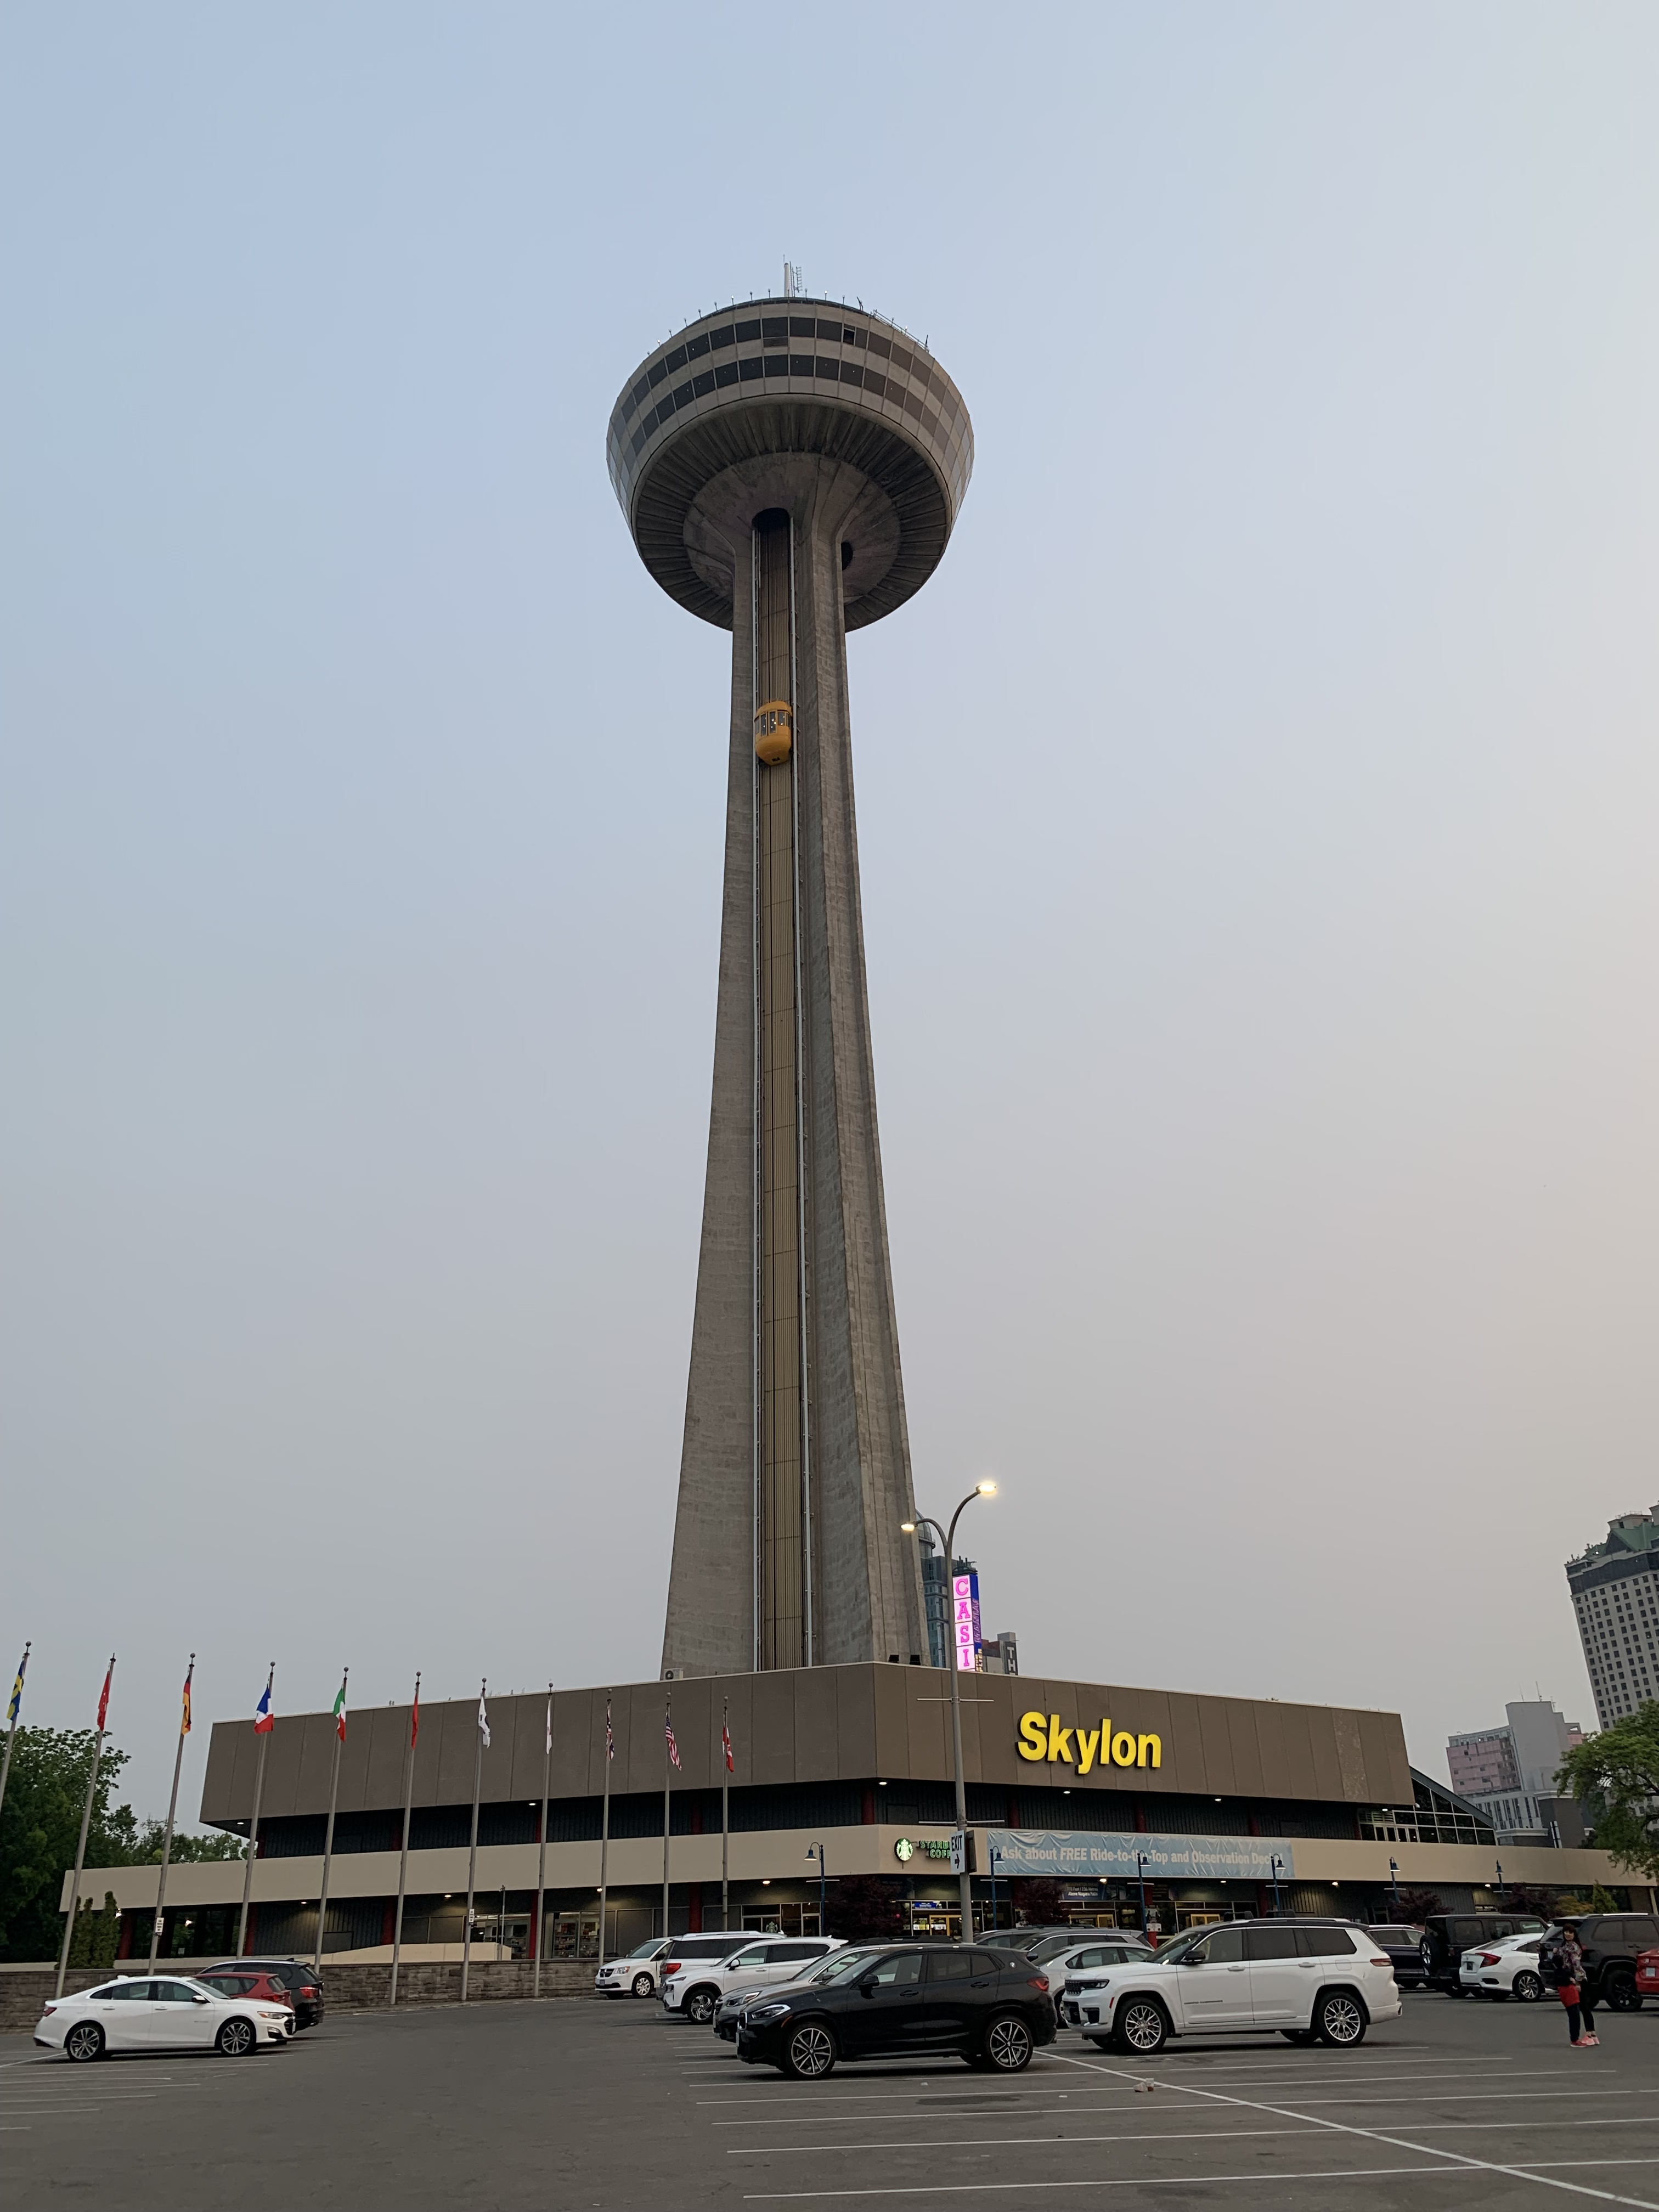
(869, 1722)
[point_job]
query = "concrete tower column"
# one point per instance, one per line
(793, 516)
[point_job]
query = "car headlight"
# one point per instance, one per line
(768, 2012)
(263, 2015)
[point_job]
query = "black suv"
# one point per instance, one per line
(1612, 1943)
(1447, 1935)
(303, 1984)
(991, 2007)
(1405, 1948)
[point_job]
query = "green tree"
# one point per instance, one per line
(868, 1908)
(40, 1824)
(1615, 1776)
(187, 1851)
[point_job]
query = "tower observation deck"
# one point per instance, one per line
(792, 470)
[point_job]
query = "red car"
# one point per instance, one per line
(259, 1987)
(301, 1984)
(1647, 1974)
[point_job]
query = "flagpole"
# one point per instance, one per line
(403, 1863)
(333, 1799)
(667, 1785)
(253, 1825)
(173, 1807)
(541, 1861)
(604, 1825)
(473, 1856)
(86, 1822)
(16, 1708)
(726, 1818)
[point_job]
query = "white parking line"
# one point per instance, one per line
(795, 2093)
(1190, 2134)
(1394, 2142)
(1162, 2181)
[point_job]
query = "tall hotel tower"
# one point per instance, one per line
(790, 471)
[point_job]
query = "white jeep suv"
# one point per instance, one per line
(1310, 1980)
(688, 1972)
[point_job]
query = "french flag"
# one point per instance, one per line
(263, 1719)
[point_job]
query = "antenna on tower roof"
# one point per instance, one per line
(792, 283)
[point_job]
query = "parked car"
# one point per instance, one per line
(253, 1983)
(991, 2007)
(1310, 1980)
(743, 1993)
(753, 1969)
(1507, 1967)
(1447, 1935)
(1613, 1943)
(1647, 1974)
(135, 2013)
(688, 1968)
(1121, 1950)
(298, 1976)
(1404, 1946)
(635, 1976)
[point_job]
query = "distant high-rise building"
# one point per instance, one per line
(1509, 1773)
(1615, 1595)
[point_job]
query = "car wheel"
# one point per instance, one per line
(1619, 1991)
(234, 2039)
(1008, 2044)
(1142, 2027)
(1526, 1987)
(1299, 2035)
(84, 2041)
(809, 2053)
(699, 2007)
(643, 1985)
(1340, 2019)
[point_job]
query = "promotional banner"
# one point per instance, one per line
(965, 1611)
(1167, 1858)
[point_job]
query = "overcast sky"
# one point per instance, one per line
(1257, 815)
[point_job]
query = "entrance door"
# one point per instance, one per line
(1213, 1984)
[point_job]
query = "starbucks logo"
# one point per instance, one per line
(905, 1851)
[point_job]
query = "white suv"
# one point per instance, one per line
(759, 1966)
(688, 1972)
(1310, 1980)
(637, 1974)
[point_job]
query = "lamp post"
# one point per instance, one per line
(1394, 1881)
(910, 1527)
(816, 1852)
(995, 1856)
(1498, 1863)
(1276, 1867)
(1140, 1877)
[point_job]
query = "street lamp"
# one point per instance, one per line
(1276, 1867)
(910, 1527)
(1140, 1876)
(1498, 1863)
(816, 1852)
(995, 1856)
(1394, 1878)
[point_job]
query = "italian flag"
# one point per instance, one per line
(340, 1714)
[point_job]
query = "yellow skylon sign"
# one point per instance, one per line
(775, 732)
(1041, 1737)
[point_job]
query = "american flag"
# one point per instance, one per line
(609, 1741)
(673, 1749)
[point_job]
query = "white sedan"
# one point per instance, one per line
(133, 2013)
(1507, 1967)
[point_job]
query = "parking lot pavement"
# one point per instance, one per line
(570, 2104)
